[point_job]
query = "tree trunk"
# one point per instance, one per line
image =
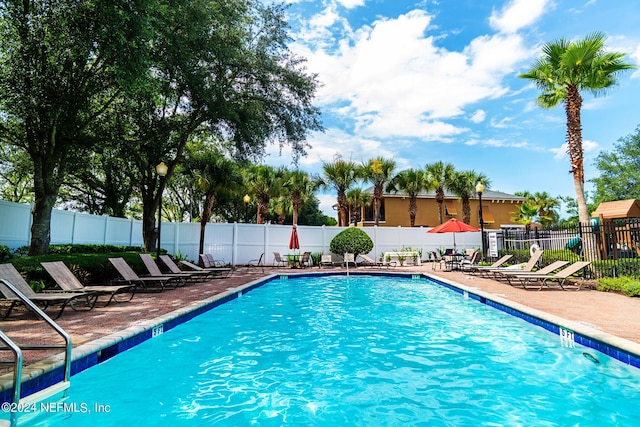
(41, 226)
(377, 197)
(413, 208)
(573, 105)
(466, 211)
(440, 201)
(342, 210)
(296, 203)
(45, 188)
(204, 218)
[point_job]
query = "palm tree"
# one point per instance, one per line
(356, 199)
(463, 185)
(341, 175)
(262, 180)
(566, 68)
(439, 177)
(411, 182)
(379, 172)
(525, 215)
(545, 204)
(215, 173)
(300, 188)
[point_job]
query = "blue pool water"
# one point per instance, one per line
(359, 351)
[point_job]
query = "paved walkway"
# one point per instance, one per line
(612, 313)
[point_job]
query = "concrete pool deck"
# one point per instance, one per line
(613, 314)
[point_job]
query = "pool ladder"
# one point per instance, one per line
(17, 350)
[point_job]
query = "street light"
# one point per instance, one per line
(479, 190)
(246, 199)
(161, 171)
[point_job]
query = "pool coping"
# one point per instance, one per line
(49, 371)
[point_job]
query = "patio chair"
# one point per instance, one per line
(278, 261)
(75, 300)
(154, 271)
(482, 268)
(257, 262)
(216, 272)
(437, 260)
(522, 275)
(305, 258)
(143, 284)
(67, 281)
(560, 278)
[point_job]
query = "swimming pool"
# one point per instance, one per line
(357, 351)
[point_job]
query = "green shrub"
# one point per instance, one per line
(352, 240)
(627, 285)
(316, 257)
(5, 252)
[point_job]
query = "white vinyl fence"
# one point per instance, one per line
(236, 243)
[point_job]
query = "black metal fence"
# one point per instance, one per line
(612, 246)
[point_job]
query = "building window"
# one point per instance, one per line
(450, 208)
(368, 212)
(487, 216)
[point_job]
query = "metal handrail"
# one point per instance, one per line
(17, 381)
(17, 365)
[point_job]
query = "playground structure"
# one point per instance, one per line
(617, 229)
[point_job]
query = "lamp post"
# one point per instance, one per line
(479, 190)
(246, 199)
(161, 171)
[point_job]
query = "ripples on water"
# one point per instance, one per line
(359, 352)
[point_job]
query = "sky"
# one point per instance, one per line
(437, 80)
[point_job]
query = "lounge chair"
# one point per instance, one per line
(175, 269)
(208, 261)
(326, 261)
(349, 259)
(483, 268)
(216, 272)
(66, 280)
(75, 300)
(529, 266)
(471, 263)
(154, 271)
(367, 261)
(560, 278)
(522, 275)
(143, 284)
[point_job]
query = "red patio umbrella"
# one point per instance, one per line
(453, 226)
(294, 243)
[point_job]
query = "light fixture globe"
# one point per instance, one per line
(162, 169)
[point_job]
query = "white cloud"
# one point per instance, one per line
(393, 80)
(478, 116)
(518, 14)
(588, 146)
(501, 124)
(350, 4)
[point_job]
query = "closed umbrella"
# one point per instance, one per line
(294, 243)
(453, 226)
